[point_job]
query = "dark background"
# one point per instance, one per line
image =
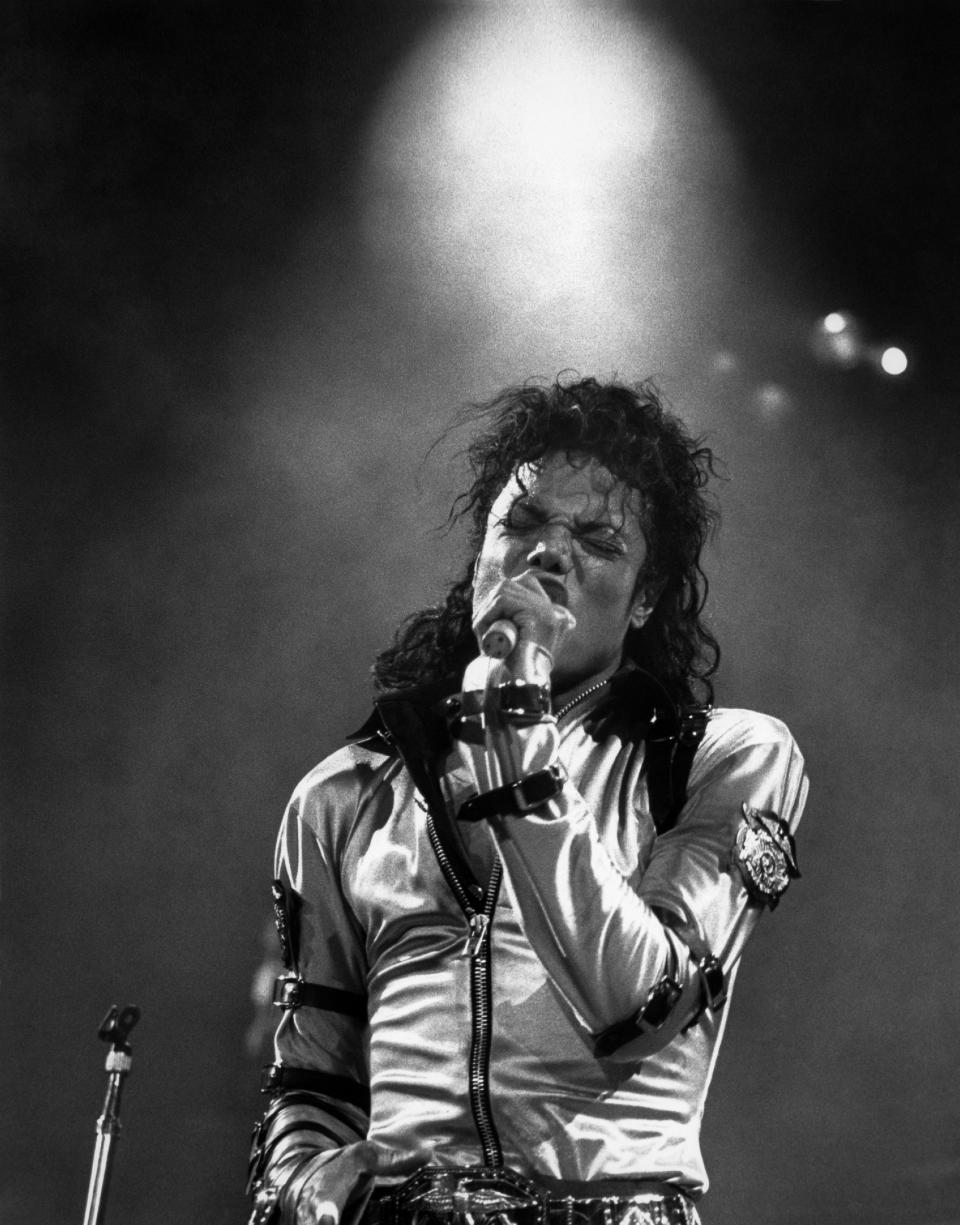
(220, 386)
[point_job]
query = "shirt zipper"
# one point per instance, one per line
(478, 949)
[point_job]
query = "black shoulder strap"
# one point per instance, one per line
(640, 708)
(668, 762)
(411, 724)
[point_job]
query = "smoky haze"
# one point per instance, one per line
(233, 336)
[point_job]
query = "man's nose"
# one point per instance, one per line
(552, 552)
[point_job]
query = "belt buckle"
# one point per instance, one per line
(661, 1210)
(468, 1195)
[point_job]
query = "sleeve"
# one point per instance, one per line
(701, 872)
(319, 1081)
(636, 965)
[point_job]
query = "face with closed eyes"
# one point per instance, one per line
(568, 523)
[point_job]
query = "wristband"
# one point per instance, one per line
(516, 701)
(517, 798)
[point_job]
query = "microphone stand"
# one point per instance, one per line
(115, 1028)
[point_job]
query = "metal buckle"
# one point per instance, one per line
(463, 1195)
(270, 1078)
(693, 725)
(659, 1005)
(714, 986)
(534, 790)
(288, 991)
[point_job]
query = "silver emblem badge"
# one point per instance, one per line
(766, 855)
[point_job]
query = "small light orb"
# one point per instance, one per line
(836, 339)
(835, 322)
(893, 360)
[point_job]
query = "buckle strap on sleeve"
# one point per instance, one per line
(277, 1077)
(713, 988)
(651, 1017)
(290, 991)
(517, 798)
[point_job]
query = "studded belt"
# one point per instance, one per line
(474, 1195)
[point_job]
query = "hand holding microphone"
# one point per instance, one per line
(526, 623)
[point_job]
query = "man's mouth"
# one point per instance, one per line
(555, 588)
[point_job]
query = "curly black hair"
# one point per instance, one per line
(628, 430)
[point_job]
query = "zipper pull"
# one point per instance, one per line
(479, 925)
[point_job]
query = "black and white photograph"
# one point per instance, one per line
(481, 669)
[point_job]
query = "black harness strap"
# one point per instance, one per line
(416, 728)
(306, 1097)
(640, 709)
(289, 991)
(277, 1077)
(668, 764)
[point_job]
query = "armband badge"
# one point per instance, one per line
(766, 855)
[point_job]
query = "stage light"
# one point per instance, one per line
(836, 339)
(554, 175)
(893, 360)
(835, 322)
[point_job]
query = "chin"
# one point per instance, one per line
(571, 676)
(568, 675)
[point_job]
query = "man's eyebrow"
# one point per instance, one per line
(608, 522)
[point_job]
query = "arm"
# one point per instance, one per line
(608, 945)
(637, 965)
(311, 1158)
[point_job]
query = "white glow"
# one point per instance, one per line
(836, 339)
(550, 173)
(835, 322)
(539, 124)
(772, 401)
(893, 361)
(845, 347)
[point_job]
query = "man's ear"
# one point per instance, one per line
(645, 601)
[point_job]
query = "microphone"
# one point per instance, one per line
(499, 639)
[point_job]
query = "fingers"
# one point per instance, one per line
(332, 1185)
(527, 603)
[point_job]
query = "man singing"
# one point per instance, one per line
(512, 908)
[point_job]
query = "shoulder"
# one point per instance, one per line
(745, 741)
(336, 790)
(729, 729)
(753, 755)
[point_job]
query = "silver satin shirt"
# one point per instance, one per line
(593, 907)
